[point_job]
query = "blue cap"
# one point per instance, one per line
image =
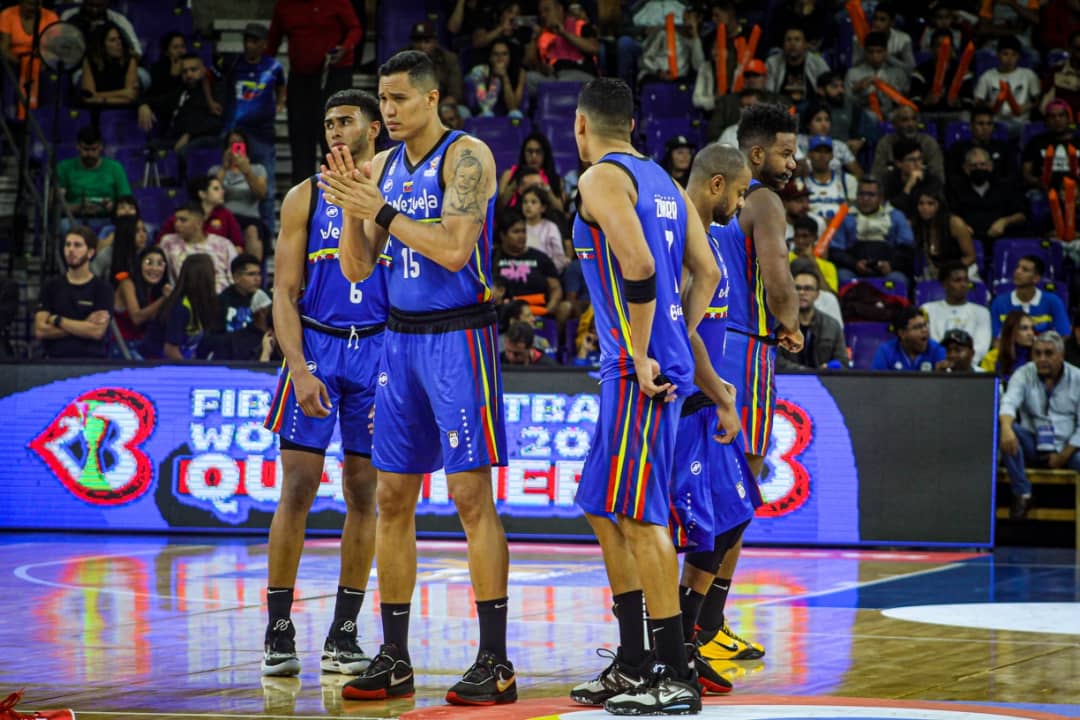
(818, 141)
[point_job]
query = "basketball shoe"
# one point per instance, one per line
(708, 678)
(8, 711)
(726, 645)
(388, 676)
(490, 681)
(662, 694)
(341, 653)
(618, 677)
(279, 654)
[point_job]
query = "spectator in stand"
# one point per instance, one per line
(823, 338)
(850, 122)
(322, 37)
(530, 275)
(874, 240)
(189, 239)
(535, 155)
(910, 179)
(955, 312)
(258, 87)
(826, 302)
(959, 353)
(474, 14)
(941, 238)
(17, 41)
(802, 245)
(1022, 84)
(424, 37)
(796, 198)
(794, 72)
(728, 108)
(245, 311)
(491, 22)
(563, 46)
(1012, 348)
(520, 311)
(587, 353)
(1013, 20)
(651, 54)
(189, 317)
(1040, 418)
(898, 43)
(1001, 152)
(517, 347)
(747, 97)
(91, 184)
(678, 156)
(829, 188)
(74, 308)
(90, 15)
(1045, 309)
(575, 292)
(245, 185)
(166, 82)
(987, 202)
(813, 17)
(1064, 78)
(208, 191)
(1057, 22)
(126, 215)
(542, 234)
(9, 309)
(906, 122)
(450, 114)
(140, 296)
(109, 76)
(1072, 343)
(911, 350)
(922, 82)
(497, 86)
(942, 18)
(1051, 156)
(859, 81)
(197, 121)
(817, 120)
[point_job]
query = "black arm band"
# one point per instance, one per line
(386, 216)
(640, 291)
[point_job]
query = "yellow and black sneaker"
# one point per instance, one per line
(726, 645)
(490, 681)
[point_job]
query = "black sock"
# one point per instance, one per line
(395, 625)
(667, 641)
(492, 615)
(690, 603)
(346, 608)
(629, 611)
(711, 618)
(279, 603)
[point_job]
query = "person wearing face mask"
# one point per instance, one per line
(988, 203)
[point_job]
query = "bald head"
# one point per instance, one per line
(718, 182)
(717, 159)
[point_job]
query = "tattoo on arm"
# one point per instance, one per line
(464, 194)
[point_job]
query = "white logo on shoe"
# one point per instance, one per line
(348, 626)
(281, 625)
(396, 613)
(396, 680)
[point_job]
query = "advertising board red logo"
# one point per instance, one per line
(788, 488)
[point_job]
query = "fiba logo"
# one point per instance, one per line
(311, 366)
(695, 468)
(93, 446)
(388, 185)
(383, 379)
(331, 211)
(452, 436)
(675, 311)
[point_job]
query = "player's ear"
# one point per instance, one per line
(718, 184)
(757, 155)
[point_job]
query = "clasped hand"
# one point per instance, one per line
(349, 187)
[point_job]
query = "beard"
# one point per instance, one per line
(78, 262)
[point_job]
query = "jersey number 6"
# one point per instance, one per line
(356, 295)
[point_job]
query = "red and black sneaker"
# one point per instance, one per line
(388, 676)
(490, 681)
(8, 711)
(709, 680)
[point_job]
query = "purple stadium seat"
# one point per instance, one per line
(557, 100)
(548, 329)
(931, 290)
(67, 125)
(394, 28)
(565, 160)
(958, 130)
(928, 128)
(889, 287)
(120, 127)
(863, 339)
(560, 134)
(200, 160)
(1008, 251)
(658, 130)
(1031, 130)
(666, 99)
(566, 347)
(156, 204)
(1061, 289)
(492, 129)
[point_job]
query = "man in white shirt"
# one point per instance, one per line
(829, 188)
(955, 312)
(1023, 83)
(899, 49)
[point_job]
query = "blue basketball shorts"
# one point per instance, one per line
(629, 466)
(712, 489)
(348, 367)
(750, 365)
(438, 401)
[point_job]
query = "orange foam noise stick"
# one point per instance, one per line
(746, 54)
(1010, 98)
(721, 59)
(893, 94)
(875, 106)
(672, 57)
(961, 71)
(1070, 209)
(986, 12)
(1033, 5)
(858, 20)
(941, 67)
(822, 245)
(1055, 214)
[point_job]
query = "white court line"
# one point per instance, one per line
(854, 586)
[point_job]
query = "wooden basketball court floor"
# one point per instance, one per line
(154, 627)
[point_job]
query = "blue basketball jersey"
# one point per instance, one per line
(713, 326)
(417, 283)
(329, 298)
(662, 213)
(748, 312)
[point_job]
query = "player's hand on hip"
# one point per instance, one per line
(728, 426)
(790, 339)
(311, 395)
(652, 381)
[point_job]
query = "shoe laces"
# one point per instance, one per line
(728, 631)
(347, 644)
(384, 661)
(482, 669)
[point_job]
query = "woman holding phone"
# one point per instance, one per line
(245, 183)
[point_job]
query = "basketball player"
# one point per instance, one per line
(635, 233)
(439, 400)
(331, 333)
(763, 312)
